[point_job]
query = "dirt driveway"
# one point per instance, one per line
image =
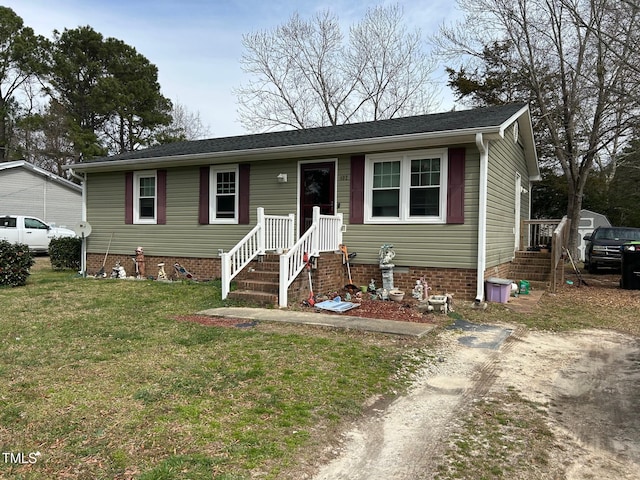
(584, 385)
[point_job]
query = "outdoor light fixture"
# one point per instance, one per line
(282, 178)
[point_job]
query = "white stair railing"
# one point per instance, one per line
(270, 233)
(324, 235)
(279, 232)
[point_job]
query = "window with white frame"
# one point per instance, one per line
(145, 201)
(224, 195)
(406, 187)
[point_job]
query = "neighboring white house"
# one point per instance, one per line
(589, 221)
(29, 190)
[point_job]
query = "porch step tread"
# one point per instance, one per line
(252, 296)
(258, 285)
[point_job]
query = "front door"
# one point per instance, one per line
(317, 188)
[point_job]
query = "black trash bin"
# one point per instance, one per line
(630, 266)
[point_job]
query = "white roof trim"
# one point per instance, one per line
(40, 171)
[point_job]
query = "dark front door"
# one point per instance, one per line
(317, 188)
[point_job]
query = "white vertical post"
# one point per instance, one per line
(291, 228)
(225, 273)
(314, 235)
(261, 232)
(283, 283)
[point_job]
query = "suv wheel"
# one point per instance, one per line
(592, 268)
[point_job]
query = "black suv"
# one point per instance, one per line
(603, 246)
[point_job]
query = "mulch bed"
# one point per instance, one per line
(216, 321)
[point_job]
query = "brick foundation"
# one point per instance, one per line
(329, 276)
(201, 268)
(457, 281)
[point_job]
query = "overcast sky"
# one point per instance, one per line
(197, 44)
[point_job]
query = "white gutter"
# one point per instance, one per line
(483, 147)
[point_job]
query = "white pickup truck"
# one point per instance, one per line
(30, 231)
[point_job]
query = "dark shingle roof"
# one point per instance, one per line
(438, 122)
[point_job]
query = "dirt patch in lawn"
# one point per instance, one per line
(558, 399)
(542, 406)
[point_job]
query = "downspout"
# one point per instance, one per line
(83, 216)
(483, 147)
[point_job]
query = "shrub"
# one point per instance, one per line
(15, 261)
(65, 253)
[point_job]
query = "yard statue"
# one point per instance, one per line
(386, 254)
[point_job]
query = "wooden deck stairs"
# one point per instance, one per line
(534, 267)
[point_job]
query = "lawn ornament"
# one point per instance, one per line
(118, 271)
(162, 275)
(182, 271)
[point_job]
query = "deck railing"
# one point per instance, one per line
(535, 234)
(324, 235)
(270, 233)
(559, 242)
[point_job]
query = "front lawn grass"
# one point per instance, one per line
(98, 377)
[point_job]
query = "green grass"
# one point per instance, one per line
(99, 377)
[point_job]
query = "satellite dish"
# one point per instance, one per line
(82, 229)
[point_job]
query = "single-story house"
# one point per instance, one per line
(447, 190)
(589, 221)
(29, 190)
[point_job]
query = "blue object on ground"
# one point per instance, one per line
(336, 305)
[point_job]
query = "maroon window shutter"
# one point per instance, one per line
(203, 204)
(128, 198)
(356, 197)
(455, 186)
(243, 188)
(161, 176)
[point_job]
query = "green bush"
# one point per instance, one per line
(15, 261)
(65, 253)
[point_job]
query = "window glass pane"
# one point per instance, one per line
(226, 182)
(424, 202)
(386, 174)
(425, 172)
(225, 206)
(33, 223)
(147, 208)
(386, 203)
(147, 186)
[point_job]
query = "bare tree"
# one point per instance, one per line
(581, 81)
(188, 123)
(304, 74)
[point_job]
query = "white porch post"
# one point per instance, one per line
(225, 273)
(291, 240)
(261, 233)
(283, 284)
(315, 240)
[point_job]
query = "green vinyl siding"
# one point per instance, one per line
(181, 235)
(415, 244)
(506, 157)
(419, 245)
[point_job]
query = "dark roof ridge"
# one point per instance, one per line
(484, 117)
